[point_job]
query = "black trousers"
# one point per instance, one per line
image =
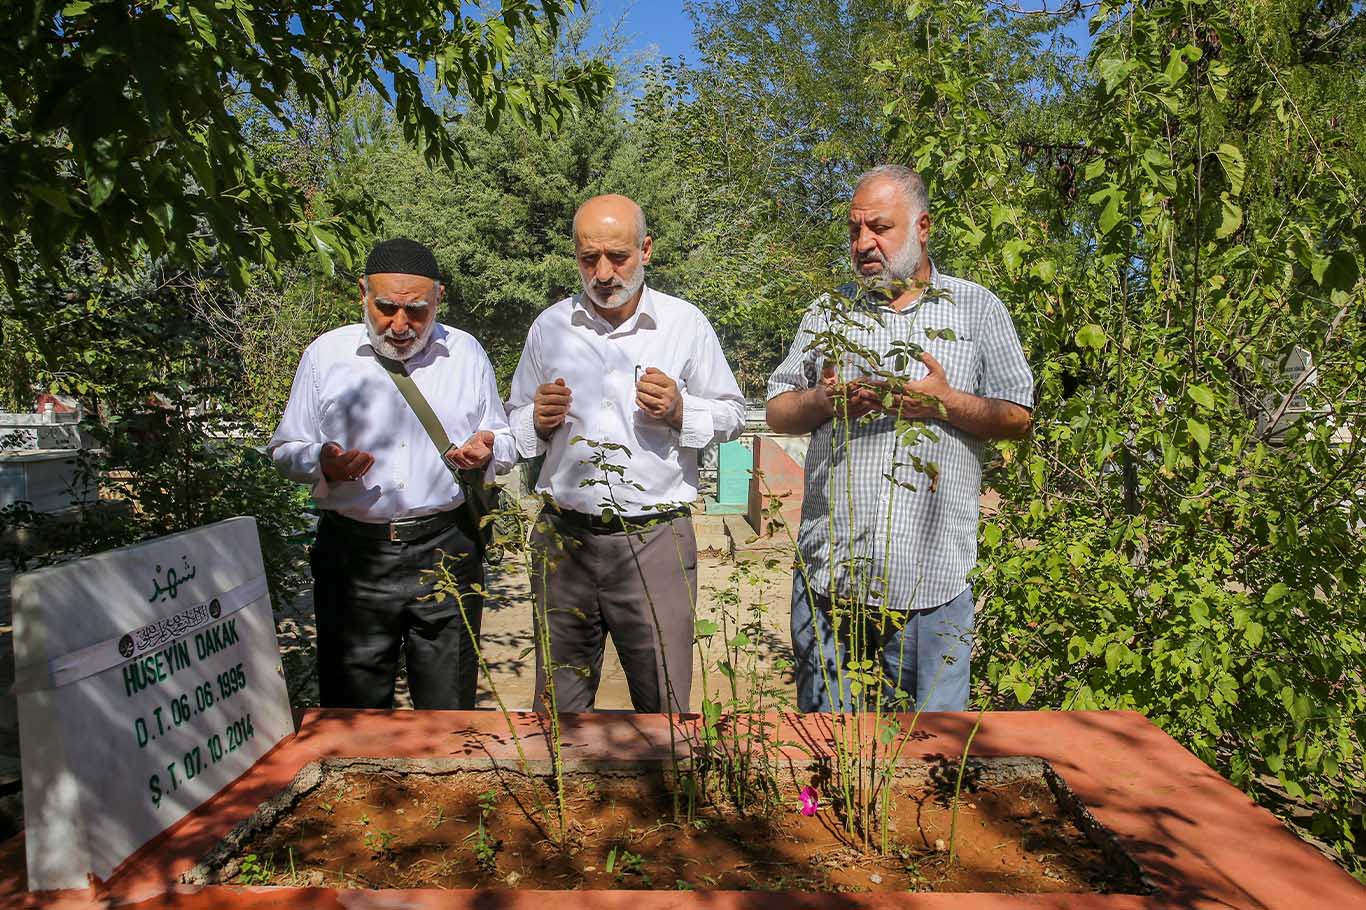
(368, 601)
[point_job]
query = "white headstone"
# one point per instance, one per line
(148, 678)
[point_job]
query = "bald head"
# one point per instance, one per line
(611, 212)
(612, 250)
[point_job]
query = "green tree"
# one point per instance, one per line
(1185, 218)
(1167, 220)
(123, 123)
(145, 349)
(161, 158)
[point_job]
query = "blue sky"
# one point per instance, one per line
(663, 27)
(658, 26)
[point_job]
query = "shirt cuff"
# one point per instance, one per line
(504, 456)
(322, 487)
(774, 389)
(529, 444)
(1021, 395)
(699, 426)
(308, 463)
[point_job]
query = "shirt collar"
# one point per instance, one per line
(646, 315)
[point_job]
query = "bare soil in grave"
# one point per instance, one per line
(381, 829)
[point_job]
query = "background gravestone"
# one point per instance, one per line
(147, 678)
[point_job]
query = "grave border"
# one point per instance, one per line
(1198, 840)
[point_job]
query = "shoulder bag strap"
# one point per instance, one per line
(418, 402)
(471, 481)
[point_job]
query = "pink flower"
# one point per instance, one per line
(810, 800)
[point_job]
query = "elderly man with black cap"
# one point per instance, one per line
(369, 403)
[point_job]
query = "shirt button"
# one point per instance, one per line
(606, 404)
(402, 485)
(403, 445)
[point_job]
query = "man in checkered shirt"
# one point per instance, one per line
(889, 520)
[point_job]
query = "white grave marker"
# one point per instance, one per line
(148, 678)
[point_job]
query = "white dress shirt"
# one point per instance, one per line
(342, 394)
(600, 364)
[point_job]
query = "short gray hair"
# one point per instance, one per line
(907, 180)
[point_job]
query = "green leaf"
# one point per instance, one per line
(99, 184)
(1254, 633)
(1199, 432)
(203, 26)
(1091, 336)
(1318, 267)
(1046, 270)
(52, 196)
(1276, 592)
(1114, 655)
(1202, 396)
(1000, 214)
(1114, 71)
(1232, 218)
(1023, 691)
(1012, 254)
(324, 251)
(1109, 215)
(1235, 168)
(1076, 649)
(705, 628)
(991, 534)
(711, 712)
(244, 20)
(1177, 65)
(1341, 273)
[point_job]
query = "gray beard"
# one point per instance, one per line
(622, 296)
(901, 268)
(385, 347)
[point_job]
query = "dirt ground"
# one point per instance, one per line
(379, 829)
(756, 590)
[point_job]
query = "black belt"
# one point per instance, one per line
(403, 530)
(595, 524)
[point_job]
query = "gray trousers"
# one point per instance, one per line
(639, 587)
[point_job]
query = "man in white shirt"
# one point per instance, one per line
(389, 499)
(619, 387)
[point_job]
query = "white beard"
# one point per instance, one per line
(619, 297)
(384, 343)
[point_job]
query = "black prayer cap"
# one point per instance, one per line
(402, 256)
